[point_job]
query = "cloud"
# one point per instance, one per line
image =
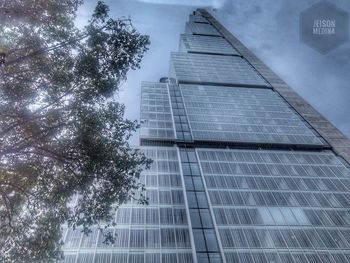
(211, 3)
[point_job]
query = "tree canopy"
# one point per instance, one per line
(61, 132)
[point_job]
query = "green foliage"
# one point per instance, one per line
(61, 133)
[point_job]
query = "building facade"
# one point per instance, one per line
(244, 170)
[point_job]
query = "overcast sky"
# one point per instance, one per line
(269, 28)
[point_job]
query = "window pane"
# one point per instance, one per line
(210, 237)
(199, 240)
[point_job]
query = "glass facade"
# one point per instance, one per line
(206, 44)
(201, 29)
(198, 19)
(243, 178)
(158, 232)
(243, 115)
(156, 119)
(204, 68)
(269, 203)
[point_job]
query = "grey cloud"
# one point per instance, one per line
(213, 3)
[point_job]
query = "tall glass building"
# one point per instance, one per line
(244, 169)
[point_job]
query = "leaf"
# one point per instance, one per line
(62, 137)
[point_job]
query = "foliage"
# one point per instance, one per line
(61, 132)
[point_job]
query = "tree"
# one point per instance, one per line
(61, 132)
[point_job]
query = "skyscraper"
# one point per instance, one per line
(244, 169)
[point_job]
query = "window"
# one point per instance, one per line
(239, 238)
(206, 218)
(152, 238)
(101, 239)
(137, 238)
(123, 215)
(138, 216)
(226, 238)
(184, 258)
(152, 257)
(220, 216)
(73, 238)
(85, 258)
(252, 238)
(152, 196)
(89, 240)
(188, 183)
(198, 184)
(152, 216)
(121, 238)
(232, 217)
(102, 257)
(202, 200)
(164, 180)
(169, 257)
(175, 180)
(192, 157)
(315, 239)
(215, 198)
(136, 258)
(69, 258)
(288, 216)
(167, 237)
(164, 197)
(289, 238)
(277, 216)
(210, 238)
(255, 216)
(182, 238)
(166, 215)
(180, 216)
(243, 216)
(265, 239)
(277, 238)
(151, 180)
(266, 216)
(177, 196)
(195, 218)
(199, 240)
(183, 156)
(195, 169)
(192, 200)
